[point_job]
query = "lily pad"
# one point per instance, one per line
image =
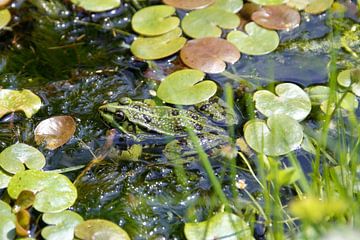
(229, 5)
(12, 100)
(5, 18)
(208, 22)
(155, 20)
(189, 4)
(13, 158)
(7, 222)
(55, 131)
(4, 3)
(291, 100)
(256, 40)
(277, 17)
(158, 47)
(344, 79)
(4, 179)
(100, 229)
(183, 87)
(209, 54)
(54, 192)
(280, 135)
(318, 6)
(269, 2)
(97, 5)
(221, 226)
(298, 4)
(64, 224)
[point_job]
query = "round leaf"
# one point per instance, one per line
(97, 5)
(158, 47)
(291, 100)
(13, 158)
(280, 135)
(209, 54)
(229, 5)
(344, 79)
(318, 6)
(99, 229)
(182, 87)
(7, 222)
(4, 179)
(277, 17)
(269, 2)
(208, 22)
(256, 40)
(155, 20)
(12, 100)
(221, 226)
(55, 131)
(189, 4)
(64, 225)
(5, 17)
(298, 4)
(54, 192)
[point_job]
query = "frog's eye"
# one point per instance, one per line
(119, 116)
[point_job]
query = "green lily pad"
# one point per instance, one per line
(256, 40)
(155, 20)
(12, 100)
(97, 5)
(221, 226)
(54, 192)
(7, 222)
(298, 4)
(281, 134)
(13, 158)
(318, 6)
(99, 229)
(158, 47)
(5, 17)
(229, 5)
(4, 179)
(344, 79)
(183, 87)
(208, 22)
(291, 100)
(269, 2)
(64, 224)
(189, 4)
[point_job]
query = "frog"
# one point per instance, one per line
(143, 121)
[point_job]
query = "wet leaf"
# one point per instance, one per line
(269, 2)
(23, 218)
(97, 5)
(5, 18)
(344, 79)
(208, 22)
(63, 225)
(12, 100)
(318, 6)
(158, 47)
(185, 87)
(222, 225)
(298, 4)
(54, 192)
(55, 131)
(4, 3)
(100, 229)
(4, 179)
(7, 222)
(189, 4)
(155, 20)
(280, 135)
(291, 100)
(229, 5)
(25, 200)
(13, 158)
(256, 40)
(209, 54)
(277, 17)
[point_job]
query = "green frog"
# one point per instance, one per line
(144, 121)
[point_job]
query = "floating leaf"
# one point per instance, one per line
(25, 200)
(154, 20)
(5, 18)
(220, 226)
(291, 100)
(209, 54)
(7, 222)
(281, 134)
(269, 2)
(55, 131)
(64, 225)
(183, 87)
(54, 192)
(344, 79)
(158, 47)
(229, 5)
(256, 40)
(189, 4)
(100, 229)
(4, 3)
(277, 17)
(318, 6)
(97, 5)
(13, 158)
(298, 4)
(4, 179)
(12, 100)
(208, 22)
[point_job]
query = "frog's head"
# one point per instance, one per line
(115, 113)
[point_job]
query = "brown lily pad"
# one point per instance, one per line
(209, 54)
(4, 3)
(189, 4)
(279, 17)
(55, 131)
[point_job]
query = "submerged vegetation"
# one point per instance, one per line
(209, 119)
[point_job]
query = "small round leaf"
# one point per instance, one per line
(64, 224)
(189, 4)
(298, 4)
(99, 229)
(344, 79)
(269, 2)
(7, 222)
(229, 5)
(4, 179)
(183, 87)
(5, 17)
(318, 6)
(97, 5)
